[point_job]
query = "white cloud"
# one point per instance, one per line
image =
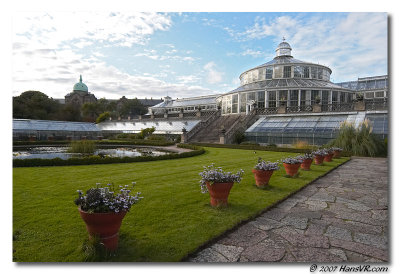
(353, 45)
(253, 53)
(122, 29)
(213, 76)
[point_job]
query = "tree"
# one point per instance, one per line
(132, 107)
(34, 104)
(103, 117)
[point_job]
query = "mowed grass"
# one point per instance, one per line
(172, 220)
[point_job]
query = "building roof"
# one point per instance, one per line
(195, 101)
(286, 84)
(80, 86)
(47, 125)
(161, 127)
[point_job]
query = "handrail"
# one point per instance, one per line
(203, 124)
(240, 124)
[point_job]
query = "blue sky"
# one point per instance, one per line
(184, 54)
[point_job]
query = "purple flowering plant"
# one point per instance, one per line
(212, 175)
(292, 160)
(263, 165)
(336, 149)
(106, 199)
(306, 156)
(320, 152)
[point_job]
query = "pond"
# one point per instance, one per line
(62, 152)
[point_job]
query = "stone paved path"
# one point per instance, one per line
(342, 217)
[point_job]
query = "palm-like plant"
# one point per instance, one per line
(358, 140)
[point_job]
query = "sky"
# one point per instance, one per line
(152, 55)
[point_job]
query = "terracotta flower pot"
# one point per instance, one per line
(262, 176)
(305, 165)
(219, 193)
(318, 159)
(104, 225)
(328, 158)
(337, 153)
(291, 169)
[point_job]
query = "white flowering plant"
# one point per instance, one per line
(106, 199)
(263, 165)
(212, 175)
(292, 160)
(320, 152)
(306, 156)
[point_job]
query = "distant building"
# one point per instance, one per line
(80, 95)
(371, 87)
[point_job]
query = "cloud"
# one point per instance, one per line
(352, 44)
(253, 53)
(213, 76)
(119, 29)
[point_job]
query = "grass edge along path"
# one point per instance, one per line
(216, 239)
(170, 223)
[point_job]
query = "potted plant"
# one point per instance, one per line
(283, 101)
(319, 156)
(329, 155)
(218, 183)
(263, 172)
(102, 209)
(307, 161)
(292, 165)
(317, 99)
(336, 152)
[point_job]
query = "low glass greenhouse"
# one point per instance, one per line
(313, 129)
(24, 129)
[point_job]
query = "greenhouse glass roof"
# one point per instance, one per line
(162, 127)
(206, 100)
(46, 125)
(323, 124)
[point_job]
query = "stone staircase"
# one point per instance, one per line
(211, 133)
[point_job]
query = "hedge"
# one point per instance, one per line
(255, 147)
(95, 160)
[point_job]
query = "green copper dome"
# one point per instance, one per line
(80, 86)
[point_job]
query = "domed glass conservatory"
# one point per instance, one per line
(284, 81)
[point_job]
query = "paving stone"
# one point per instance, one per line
(297, 222)
(300, 240)
(263, 253)
(364, 217)
(311, 254)
(288, 258)
(379, 215)
(274, 213)
(337, 232)
(315, 229)
(363, 228)
(210, 256)
(340, 253)
(287, 204)
(265, 223)
(375, 240)
(353, 257)
(322, 196)
(353, 204)
(316, 205)
(231, 253)
(305, 213)
(244, 236)
(360, 248)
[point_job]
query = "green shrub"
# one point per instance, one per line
(83, 146)
(359, 141)
(102, 117)
(146, 132)
(157, 137)
(239, 137)
(255, 147)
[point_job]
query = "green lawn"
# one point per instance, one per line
(172, 220)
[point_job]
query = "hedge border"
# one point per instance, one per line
(96, 160)
(255, 147)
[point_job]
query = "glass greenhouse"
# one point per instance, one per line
(162, 127)
(313, 129)
(44, 129)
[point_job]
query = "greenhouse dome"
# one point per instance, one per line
(284, 81)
